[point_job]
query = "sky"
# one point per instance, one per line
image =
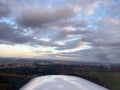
(82, 30)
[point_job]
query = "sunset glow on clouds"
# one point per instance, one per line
(84, 30)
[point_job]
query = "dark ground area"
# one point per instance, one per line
(15, 74)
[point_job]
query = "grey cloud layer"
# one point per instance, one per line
(35, 17)
(50, 27)
(8, 33)
(4, 9)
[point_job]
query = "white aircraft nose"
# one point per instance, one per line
(61, 82)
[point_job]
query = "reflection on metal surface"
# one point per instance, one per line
(61, 82)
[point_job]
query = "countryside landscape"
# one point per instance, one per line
(14, 74)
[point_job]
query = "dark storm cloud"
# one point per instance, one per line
(4, 9)
(9, 34)
(35, 17)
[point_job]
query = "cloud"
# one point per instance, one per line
(36, 17)
(67, 27)
(4, 9)
(71, 44)
(9, 34)
(103, 38)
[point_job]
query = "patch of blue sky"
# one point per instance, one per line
(45, 39)
(49, 35)
(94, 19)
(78, 17)
(46, 4)
(92, 26)
(116, 1)
(100, 12)
(115, 12)
(82, 28)
(87, 18)
(8, 20)
(73, 38)
(58, 2)
(118, 16)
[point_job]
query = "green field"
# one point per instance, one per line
(110, 79)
